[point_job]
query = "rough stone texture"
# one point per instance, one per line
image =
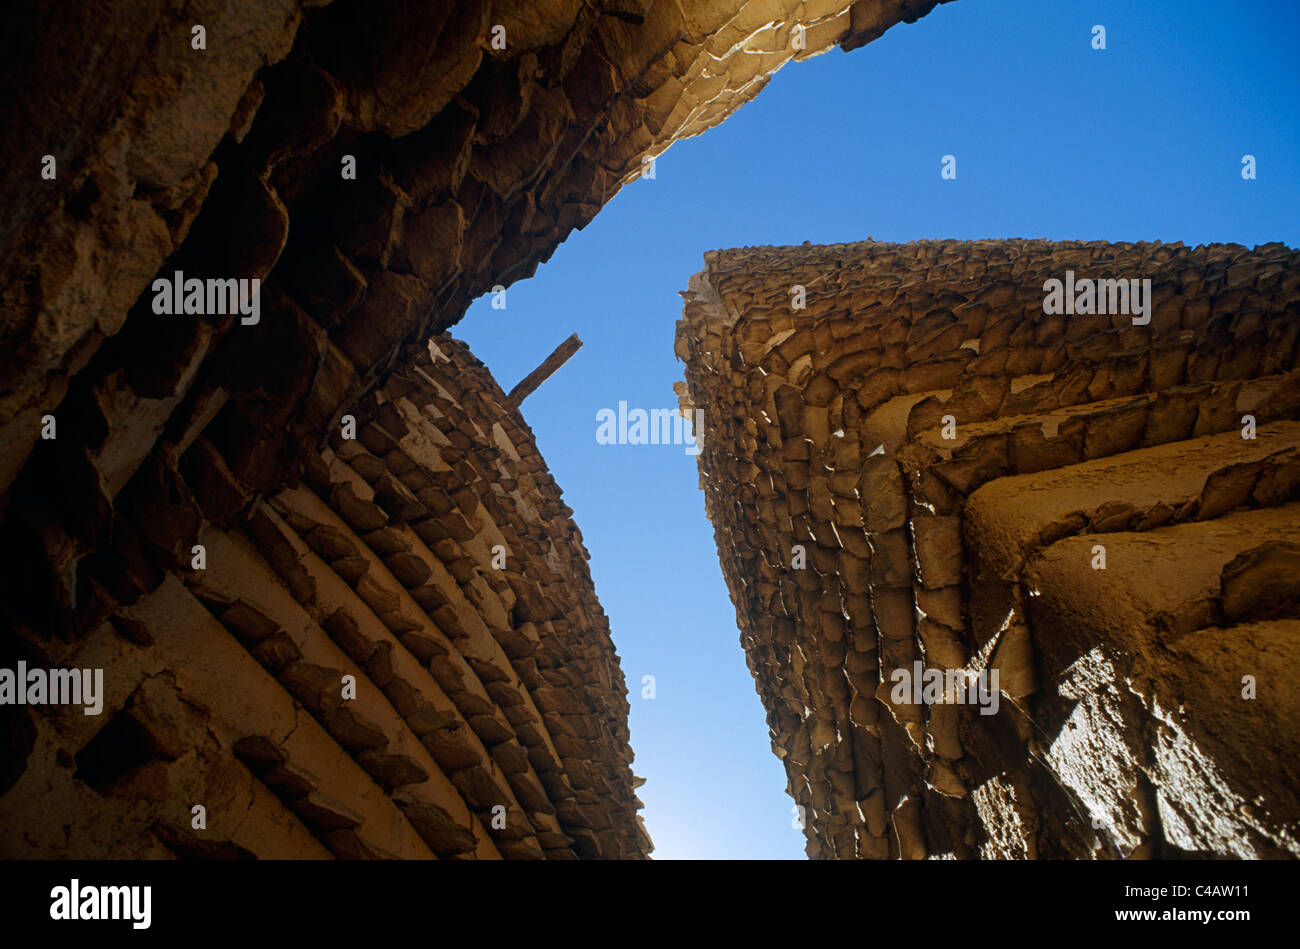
(472, 164)
(478, 684)
(1122, 729)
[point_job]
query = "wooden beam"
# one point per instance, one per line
(549, 365)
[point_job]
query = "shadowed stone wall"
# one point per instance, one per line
(432, 560)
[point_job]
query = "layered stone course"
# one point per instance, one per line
(432, 559)
(950, 460)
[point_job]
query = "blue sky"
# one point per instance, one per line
(1141, 141)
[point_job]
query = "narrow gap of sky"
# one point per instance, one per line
(1053, 139)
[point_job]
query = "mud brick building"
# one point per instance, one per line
(974, 484)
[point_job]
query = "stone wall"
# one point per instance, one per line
(431, 559)
(473, 163)
(922, 466)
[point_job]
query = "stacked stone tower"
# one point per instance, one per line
(911, 464)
